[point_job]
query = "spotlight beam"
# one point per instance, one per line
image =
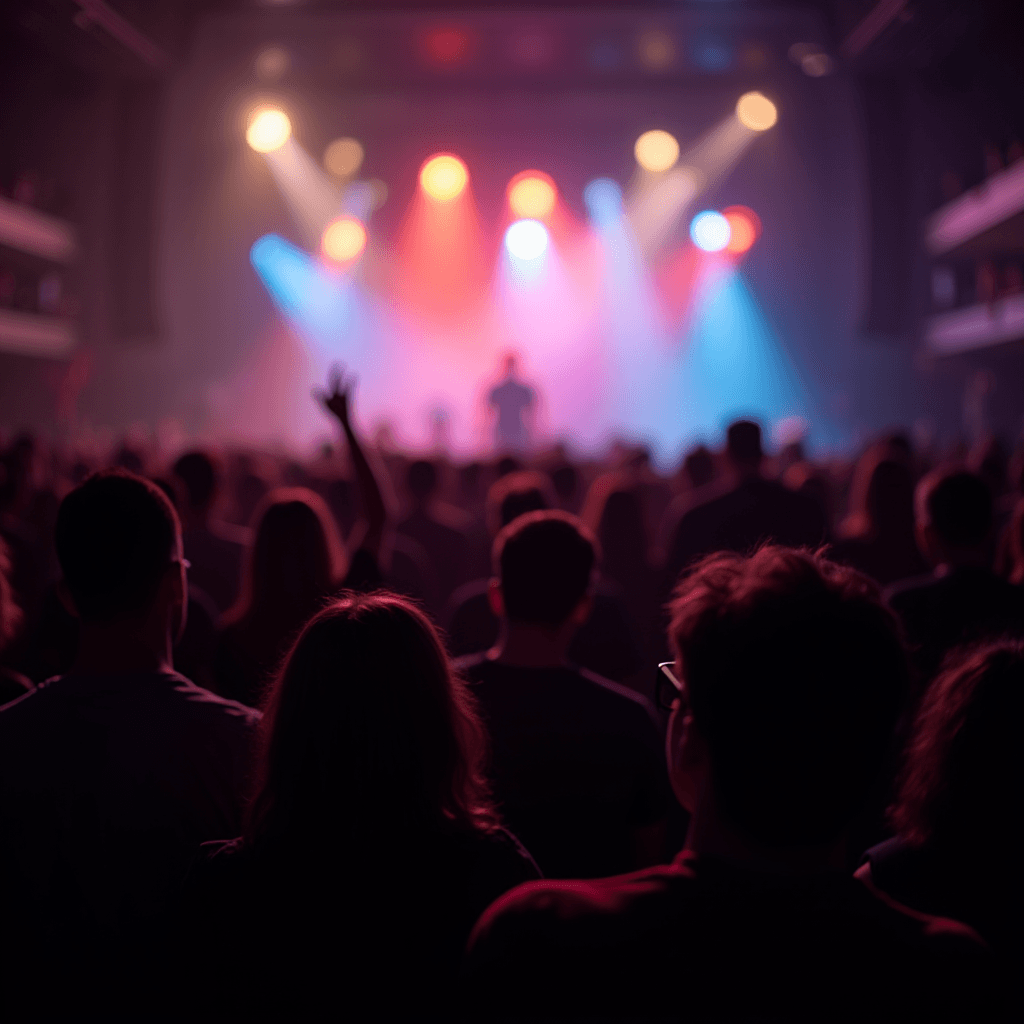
(312, 198)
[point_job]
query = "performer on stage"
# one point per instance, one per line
(515, 403)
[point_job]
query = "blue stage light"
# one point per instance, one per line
(710, 231)
(604, 200)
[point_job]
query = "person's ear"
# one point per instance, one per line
(495, 598)
(686, 751)
(582, 611)
(64, 595)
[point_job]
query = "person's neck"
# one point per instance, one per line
(711, 834)
(525, 645)
(114, 648)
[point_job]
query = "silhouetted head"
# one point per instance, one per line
(368, 734)
(197, 471)
(954, 514)
(794, 675)
(566, 481)
(509, 364)
(507, 464)
(545, 562)
(743, 445)
(963, 780)
(699, 466)
(421, 479)
(296, 558)
(614, 512)
(514, 494)
(117, 538)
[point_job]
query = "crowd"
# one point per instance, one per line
(537, 739)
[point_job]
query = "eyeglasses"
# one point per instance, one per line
(667, 688)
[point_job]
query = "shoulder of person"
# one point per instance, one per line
(471, 665)
(906, 591)
(617, 692)
(199, 697)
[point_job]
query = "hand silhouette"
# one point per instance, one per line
(336, 398)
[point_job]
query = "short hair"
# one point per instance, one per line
(958, 506)
(197, 472)
(795, 673)
(510, 496)
(421, 479)
(963, 775)
(545, 561)
(743, 441)
(116, 534)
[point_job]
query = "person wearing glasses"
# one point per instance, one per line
(578, 761)
(787, 682)
(113, 774)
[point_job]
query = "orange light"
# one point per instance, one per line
(745, 228)
(343, 239)
(532, 194)
(443, 177)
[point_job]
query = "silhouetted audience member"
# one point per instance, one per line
(12, 683)
(605, 643)
(111, 775)
(879, 537)
(372, 844)
(745, 511)
(439, 529)
(295, 563)
(214, 548)
(958, 846)
(577, 761)
(788, 677)
(962, 600)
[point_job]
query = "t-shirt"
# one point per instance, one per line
(578, 764)
(511, 399)
(108, 784)
(374, 934)
(703, 940)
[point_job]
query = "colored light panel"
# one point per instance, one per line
(526, 239)
(744, 228)
(656, 150)
(710, 231)
(443, 177)
(532, 194)
(269, 129)
(343, 239)
(756, 111)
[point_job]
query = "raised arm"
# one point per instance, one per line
(336, 400)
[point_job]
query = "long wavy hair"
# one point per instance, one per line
(368, 733)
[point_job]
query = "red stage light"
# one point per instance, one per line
(447, 45)
(745, 228)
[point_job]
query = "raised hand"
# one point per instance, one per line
(336, 398)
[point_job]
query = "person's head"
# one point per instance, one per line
(882, 494)
(963, 777)
(1015, 545)
(699, 466)
(794, 675)
(953, 511)
(421, 480)
(118, 542)
(198, 474)
(367, 731)
(296, 558)
(514, 494)
(614, 512)
(566, 481)
(509, 363)
(544, 565)
(743, 446)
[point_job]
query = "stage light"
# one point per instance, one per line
(526, 239)
(447, 45)
(272, 63)
(756, 111)
(744, 228)
(657, 50)
(656, 150)
(443, 177)
(604, 200)
(343, 239)
(269, 129)
(344, 157)
(532, 194)
(710, 231)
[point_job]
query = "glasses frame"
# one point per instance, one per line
(666, 672)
